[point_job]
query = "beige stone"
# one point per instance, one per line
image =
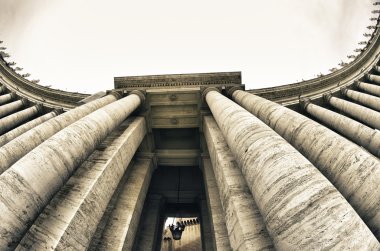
(362, 98)
(6, 98)
(369, 88)
(11, 121)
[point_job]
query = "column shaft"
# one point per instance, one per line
(373, 78)
(352, 170)
(355, 131)
(246, 228)
(301, 208)
(72, 216)
(361, 113)
(31, 182)
(21, 145)
(11, 107)
(5, 138)
(6, 98)
(146, 239)
(15, 119)
(364, 99)
(215, 210)
(372, 89)
(121, 230)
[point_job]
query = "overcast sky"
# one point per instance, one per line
(80, 45)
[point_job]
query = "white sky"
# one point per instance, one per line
(80, 45)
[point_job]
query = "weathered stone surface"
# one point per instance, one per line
(7, 137)
(353, 130)
(352, 170)
(246, 228)
(148, 230)
(372, 89)
(121, 229)
(364, 99)
(71, 218)
(18, 147)
(15, 119)
(361, 113)
(374, 78)
(301, 208)
(6, 98)
(11, 107)
(51, 164)
(215, 210)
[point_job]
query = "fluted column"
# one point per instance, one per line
(30, 183)
(355, 131)
(352, 170)
(218, 223)
(362, 98)
(361, 113)
(121, 230)
(12, 107)
(15, 119)
(6, 98)
(63, 225)
(372, 89)
(373, 78)
(149, 223)
(18, 147)
(246, 228)
(301, 208)
(5, 138)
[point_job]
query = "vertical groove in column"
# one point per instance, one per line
(361, 113)
(372, 89)
(6, 98)
(362, 98)
(246, 228)
(11, 107)
(121, 229)
(218, 224)
(301, 208)
(373, 78)
(15, 119)
(355, 131)
(18, 147)
(51, 164)
(71, 218)
(349, 167)
(7, 137)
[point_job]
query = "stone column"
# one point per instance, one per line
(71, 218)
(362, 98)
(5, 138)
(377, 68)
(352, 170)
(15, 119)
(12, 107)
(121, 230)
(358, 112)
(215, 210)
(372, 89)
(21, 145)
(6, 98)
(353, 130)
(373, 78)
(29, 184)
(146, 239)
(246, 228)
(206, 235)
(2, 89)
(301, 208)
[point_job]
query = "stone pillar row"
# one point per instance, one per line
(374, 78)
(12, 107)
(362, 98)
(246, 228)
(30, 183)
(300, 207)
(5, 98)
(353, 130)
(15, 119)
(370, 88)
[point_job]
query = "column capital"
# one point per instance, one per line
(344, 90)
(24, 101)
(304, 102)
(327, 97)
(117, 94)
(207, 90)
(368, 76)
(232, 89)
(58, 111)
(356, 83)
(39, 107)
(139, 93)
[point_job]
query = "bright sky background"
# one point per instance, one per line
(80, 45)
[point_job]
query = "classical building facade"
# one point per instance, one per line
(294, 167)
